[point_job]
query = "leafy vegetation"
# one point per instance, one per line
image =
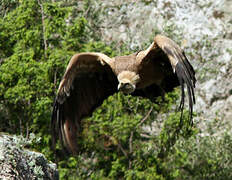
(125, 138)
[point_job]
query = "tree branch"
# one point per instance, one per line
(132, 134)
(145, 118)
(131, 148)
(123, 151)
(130, 142)
(43, 24)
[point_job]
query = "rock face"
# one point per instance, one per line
(19, 163)
(204, 30)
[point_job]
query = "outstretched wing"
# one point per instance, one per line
(88, 80)
(172, 61)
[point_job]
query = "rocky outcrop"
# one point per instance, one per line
(202, 27)
(16, 162)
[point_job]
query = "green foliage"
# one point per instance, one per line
(127, 137)
(23, 91)
(205, 157)
(7, 5)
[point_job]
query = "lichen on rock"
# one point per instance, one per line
(16, 162)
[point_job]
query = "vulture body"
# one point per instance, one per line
(91, 77)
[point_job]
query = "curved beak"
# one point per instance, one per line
(120, 86)
(126, 88)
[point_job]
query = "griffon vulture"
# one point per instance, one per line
(91, 77)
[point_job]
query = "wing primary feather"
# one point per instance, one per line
(181, 106)
(60, 119)
(189, 67)
(55, 123)
(191, 101)
(190, 73)
(186, 75)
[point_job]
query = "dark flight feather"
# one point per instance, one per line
(186, 75)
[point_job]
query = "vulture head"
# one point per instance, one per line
(127, 81)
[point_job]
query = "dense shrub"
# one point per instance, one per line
(127, 137)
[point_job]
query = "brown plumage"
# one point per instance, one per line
(91, 77)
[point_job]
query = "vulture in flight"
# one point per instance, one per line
(91, 77)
